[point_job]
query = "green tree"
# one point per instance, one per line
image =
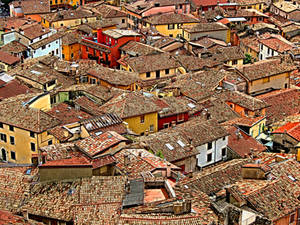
(248, 58)
(160, 154)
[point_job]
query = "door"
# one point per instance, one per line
(4, 158)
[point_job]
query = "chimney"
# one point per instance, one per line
(126, 160)
(25, 214)
(168, 170)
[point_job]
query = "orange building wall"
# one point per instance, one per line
(67, 50)
(35, 17)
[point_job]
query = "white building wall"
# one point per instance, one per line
(53, 47)
(215, 151)
(265, 52)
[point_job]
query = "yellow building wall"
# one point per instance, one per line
(67, 51)
(43, 103)
(3, 67)
(228, 36)
(68, 23)
(276, 79)
(143, 76)
(22, 146)
(134, 123)
(45, 23)
(258, 6)
(257, 129)
(64, 2)
(163, 29)
(239, 63)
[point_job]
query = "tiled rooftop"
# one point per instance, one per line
(93, 146)
(68, 114)
(130, 104)
(14, 112)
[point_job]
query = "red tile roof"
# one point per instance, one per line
(276, 44)
(95, 145)
(7, 58)
(12, 88)
(243, 144)
(287, 99)
(208, 2)
(73, 161)
(292, 129)
(68, 114)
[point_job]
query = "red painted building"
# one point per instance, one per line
(105, 48)
(173, 111)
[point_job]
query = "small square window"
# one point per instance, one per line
(209, 157)
(13, 155)
(11, 128)
(292, 218)
(31, 134)
(32, 146)
(1, 125)
(50, 142)
(148, 74)
(142, 119)
(166, 125)
(167, 71)
(12, 140)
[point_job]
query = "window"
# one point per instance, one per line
(63, 56)
(52, 99)
(11, 128)
(13, 155)
(72, 55)
(87, 49)
(224, 138)
(166, 125)
(1, 125)
(170, 35)
(142, 119)
(179, 25)
(209, 157)
(12, 140)
(123, 20)
(31, 134)
(292, 218)
(167, 71)
(224, 152)
(261, 47)
(3, 137)
(148, 74)
(151, 128)
(50, 142)
(234, 62)
(92, 80)
(269, 51)
(209, 145)
(32, 146)
(157, 74)
(57, 51)
(266, 79)
(44, 46)
(52, 82)
(170, 26)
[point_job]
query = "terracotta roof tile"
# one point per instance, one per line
(13, 111)
(130, 104)
(33, 6)
(95, 145)
(12, 88)
(67, 114)
(292, 129)
(170, 18)
(265, 68)
(287, 99)
(114, 77)
(8, 58)
(242, 143)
